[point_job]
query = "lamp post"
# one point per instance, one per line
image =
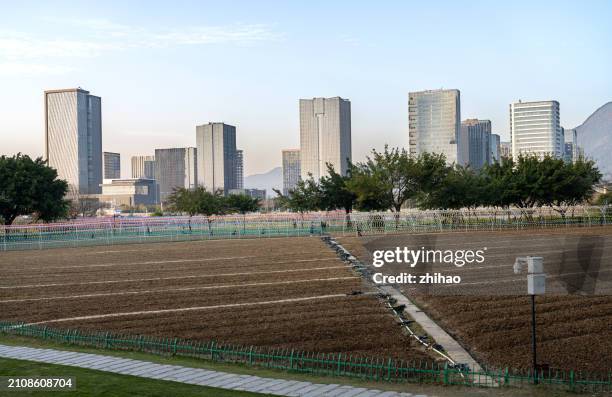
(536, 285)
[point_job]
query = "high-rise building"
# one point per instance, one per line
(112, 165)
(479, 141)
(291, 169)
(495, 148)
(325, 135)
(73, 139)
(505, 150)
(535, 129)
(216, 143)
(175, 168)
(570, 145)
(143, 167)
(434, 125)
(239, 169)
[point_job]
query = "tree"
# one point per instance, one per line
(388, 179)
(334, 191)
(198, 201)
(242, 203)
(30, 187)
(461, 187)
(305, 197)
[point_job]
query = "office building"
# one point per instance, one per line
(325, 136)
(570, 145)
(252, 193)
(239, 169)
(535, 129)
(73, 139)
(112, 165)
(175, 168)
(494, 149)
(143, 167)
(505, 150)
(479, 142)
(216, 144)
(129, 192)
(434, 125)
(291, 169)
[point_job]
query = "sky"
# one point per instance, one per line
(162, 68)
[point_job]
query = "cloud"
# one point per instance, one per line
(96, 37)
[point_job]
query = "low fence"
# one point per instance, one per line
(134, 230)
(328, 364)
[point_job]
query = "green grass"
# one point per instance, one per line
(98, 383)
(431, 390)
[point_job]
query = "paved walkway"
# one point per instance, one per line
(195, 376)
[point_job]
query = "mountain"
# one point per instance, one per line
(268, 180)
(595, 136)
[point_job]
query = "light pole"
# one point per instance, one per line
(536, 285)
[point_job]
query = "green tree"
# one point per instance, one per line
(461, 187)
(198, 201)
(242, 204)
(334, 192)
(305, 197)
(30, 187)
(390, 178)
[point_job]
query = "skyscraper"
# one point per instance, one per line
(505, 150)
(434, 125)
(239, 169)
(495, 149)
(478, 133)
(535, 129)
(174, 168)
(325, 135)
(570, 145)
(216, 144)
(112, 165)
(73, 139)
(291, 169)
(143, 167)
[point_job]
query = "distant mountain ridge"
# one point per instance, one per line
(595, 137)
(267, 180)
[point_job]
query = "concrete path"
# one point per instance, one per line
(195, 376)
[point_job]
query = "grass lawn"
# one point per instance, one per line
(90, 382)
(173, 389)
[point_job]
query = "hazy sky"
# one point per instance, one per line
(163, 67)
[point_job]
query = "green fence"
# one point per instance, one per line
(328, 364)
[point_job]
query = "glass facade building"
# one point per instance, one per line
(478, 133)
(325, 136)
(535, 129)
(73, 139)
(434, 125)
(143, 167)
(495, 149)
(112, 165)
(216, 144)
(239, 169)
(175, 167)
(291, 169)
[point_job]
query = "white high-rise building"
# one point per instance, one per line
(291, 169)
(216, 144)
(143, 167)
(535, 129)
(325, 136)
(434, 125)
(73, 139)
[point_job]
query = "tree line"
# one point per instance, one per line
(387, 180)
(393, 179)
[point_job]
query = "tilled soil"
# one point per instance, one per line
(491, 315)
(233, 290)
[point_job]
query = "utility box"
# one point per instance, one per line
(536, 283)
(535, 265)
